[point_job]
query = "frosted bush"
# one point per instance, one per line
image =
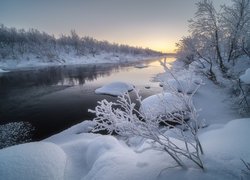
(124, 119)
(15, 133)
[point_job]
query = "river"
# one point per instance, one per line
(55, 98)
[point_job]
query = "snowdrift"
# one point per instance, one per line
(88, 156)
(161, 104)
(39, 160)
(115, 88)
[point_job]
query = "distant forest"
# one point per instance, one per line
(20, 43)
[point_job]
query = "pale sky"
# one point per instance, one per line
(157, 24)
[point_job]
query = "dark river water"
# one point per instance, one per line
(55, 98)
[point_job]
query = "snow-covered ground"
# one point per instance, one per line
(77, 154)
(3, 71)
(246, 77)
(70, 59)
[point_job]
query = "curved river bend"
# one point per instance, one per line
(55, 98)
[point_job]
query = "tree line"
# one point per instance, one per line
(16, 43)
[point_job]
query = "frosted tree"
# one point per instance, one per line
(206, 24)
(18, 44)
(192, 49)
(236, 24)
(217, 40)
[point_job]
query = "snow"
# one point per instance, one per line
(115, 88)
(179, 79)
(3, 71)
(246, 76)
(38, 160)
(211, 101)
(83, 127)
(76, 153)
(184, 86)
(80, 155)
(31, 60)
(141, 66)
(161, 104)
(229, 140)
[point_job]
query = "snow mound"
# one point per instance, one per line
(39, 160)
(184, 86)
(115, 88)
(246, 76)
(141, 66)
(93, 156)
(80, 128)
(3, 71)
(110, 160)
(231, 139)
(161, 104)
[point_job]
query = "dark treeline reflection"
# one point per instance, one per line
(60, 75)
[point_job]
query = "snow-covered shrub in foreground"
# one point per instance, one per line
(122, 118)
(15, 133)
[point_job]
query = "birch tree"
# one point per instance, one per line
(236, 24)
(206, 23)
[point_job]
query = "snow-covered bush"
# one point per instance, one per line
(169, 109)
(122, 118)
(246, 171)
(15, 133)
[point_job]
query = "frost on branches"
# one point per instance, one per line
(124, 119)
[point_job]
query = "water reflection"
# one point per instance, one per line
(54, 98)
(61, 75)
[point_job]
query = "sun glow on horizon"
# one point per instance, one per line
(163, 46)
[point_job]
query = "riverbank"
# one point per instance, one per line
(31, 61)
